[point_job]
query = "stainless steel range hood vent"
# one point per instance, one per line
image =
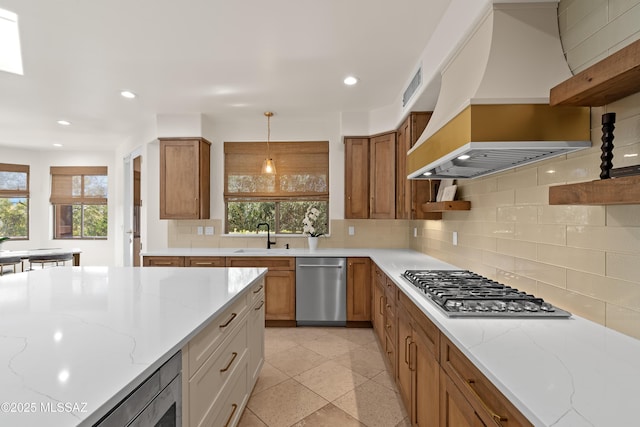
(494, 99)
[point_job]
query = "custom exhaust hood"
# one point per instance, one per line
(493, 111)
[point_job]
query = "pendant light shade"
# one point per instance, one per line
(268, 166)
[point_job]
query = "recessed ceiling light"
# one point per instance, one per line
(427, 174)
(128, 94)
(64, 122)
(350, 80)
(464, 157)
(57, 145)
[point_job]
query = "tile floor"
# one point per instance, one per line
(333, 377)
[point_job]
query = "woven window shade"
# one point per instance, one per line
(78, 185)
(302, 171)
(14, 180)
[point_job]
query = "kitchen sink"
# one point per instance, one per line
(261, 251)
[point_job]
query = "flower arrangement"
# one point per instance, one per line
(309, 220)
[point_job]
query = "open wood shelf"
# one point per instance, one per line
(614, 191)
(615, 77)
(455, 205)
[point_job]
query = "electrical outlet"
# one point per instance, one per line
(199, 230)
(209, 231)
(352, 230)
(415, 231)
(455, 238)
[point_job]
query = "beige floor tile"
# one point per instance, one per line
(296, 360)
(373, 404)
(360, 336)
(330, 380)
(275, 345)
(285, 404)
(329, 346)
(404, 423)
(249, 419)
(363, 360)
(329, 416)
(269, 376)
(384, 378)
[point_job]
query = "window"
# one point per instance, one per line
(281, 200)
(14, 201)
(79, 199)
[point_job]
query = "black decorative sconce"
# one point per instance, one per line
(608, 125)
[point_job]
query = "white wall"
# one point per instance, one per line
(94, 252)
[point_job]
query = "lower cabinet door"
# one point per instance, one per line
(426, 382)
(256, 340)
(455, 410)
(280, 295)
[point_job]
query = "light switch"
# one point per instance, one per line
(199, 230)
(208, 231)
(352, 230)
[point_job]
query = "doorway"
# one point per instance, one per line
(132, 209)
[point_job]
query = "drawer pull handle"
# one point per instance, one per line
(204, 263)
(260, 306)
(233, 316)
(388, 326)
(258, 290)
(162, 263)
(226, 368)
(412, 366)
(234, 406)
(381, 302)
(388, 306)
(407, 349)
(497, 417)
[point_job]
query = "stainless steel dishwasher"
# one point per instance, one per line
(321, 291)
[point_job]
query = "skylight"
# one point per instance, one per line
(10, 54)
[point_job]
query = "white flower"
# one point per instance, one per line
(309, 220)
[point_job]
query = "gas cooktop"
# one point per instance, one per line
(462, 293)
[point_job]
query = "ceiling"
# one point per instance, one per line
(214, 57)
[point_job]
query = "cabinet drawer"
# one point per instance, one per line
(272, 263)
(208, 386)
(210, 338)
(380, 277)
(204, 261)
(163, 261)
(390, 353)
(230, 411)
(490, 404)
(256, 293)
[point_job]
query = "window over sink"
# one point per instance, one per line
(281, 200)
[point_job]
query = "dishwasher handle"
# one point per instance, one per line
(319, 266)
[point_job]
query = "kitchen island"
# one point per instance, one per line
(74, 341)
(556, 372)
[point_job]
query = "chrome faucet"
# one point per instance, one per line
(269, 242)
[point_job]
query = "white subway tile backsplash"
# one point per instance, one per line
(610, 239)
(575, 258)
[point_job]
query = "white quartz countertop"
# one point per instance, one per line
(557, 372)
(75, 340)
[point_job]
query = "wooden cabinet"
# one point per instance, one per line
(377, 304)
(418, 368)
(358, 290)
(184, 178)
(180, 261)
(163, 261)
(382, 176)
(411, 194)
(489, 404)
(219, 364)
(455, 410)
(280, 287)
(356, 178)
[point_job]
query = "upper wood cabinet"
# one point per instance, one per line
(184, 178)
(410, 194)
(382, 173)
(356, 178)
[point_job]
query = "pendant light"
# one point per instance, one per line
(268, 166)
